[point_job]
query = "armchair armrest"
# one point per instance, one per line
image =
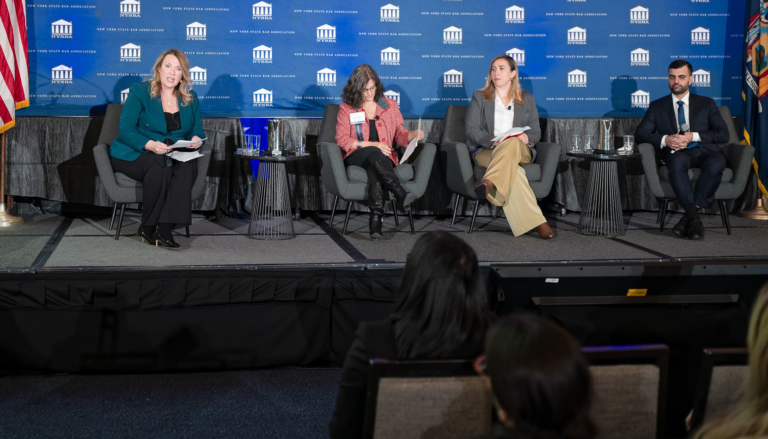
(648, 154)
(422, 167)
(739, 159)
(333, 173)
(104, 166)
(548, 156)
(457, 165)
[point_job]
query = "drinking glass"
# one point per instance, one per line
(629, 144)
(301, 145)
(589, 143)
(252, 142)
(576, 143)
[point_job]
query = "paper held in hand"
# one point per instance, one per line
(412, 145)
(185, 143)
(513, 132)
(184, 156)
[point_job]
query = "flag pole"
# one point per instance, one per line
(6, 219)
(759, 212)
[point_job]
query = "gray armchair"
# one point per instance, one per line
(739, 162)
(462, 177)
(122, 189)
(351, 183)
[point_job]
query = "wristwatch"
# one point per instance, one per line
(359, 144)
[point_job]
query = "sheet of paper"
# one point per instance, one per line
(184, 156)
(412, 145)
(185, 143)
(512, 132)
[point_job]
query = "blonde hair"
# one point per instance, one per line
(515, 92)
(183, 87)
(750, 418)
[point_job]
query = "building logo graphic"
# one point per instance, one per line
(61, 75)
(577, 35)
(453, 78)
(641, 99)
(639, 15)
(199, 75)
(196, 32)
(390, 13)
(61, 29)
(515, 14)
(262, 98)
(395, 96)
(130, 53)
(577, 78)
(326, 78)
(124, 95)
(390, 57)
(452, 35)
(262, 11)
(326, 34)
(640, 57)
(518, 55)
(701, 78)
(262, 55)
(130, 8)
(700, 36)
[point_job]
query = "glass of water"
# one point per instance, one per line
(576, 143)
(301, 145)
(629, 144)
(252, 142)
(589, 143)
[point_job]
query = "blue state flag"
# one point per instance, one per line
(755, 87)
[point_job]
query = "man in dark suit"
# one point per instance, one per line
(685, 129)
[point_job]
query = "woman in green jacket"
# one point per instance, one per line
(156, 114)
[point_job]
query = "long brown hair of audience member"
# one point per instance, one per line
(750, 418)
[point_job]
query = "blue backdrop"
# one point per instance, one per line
(579, 58)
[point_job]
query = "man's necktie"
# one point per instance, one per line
(681, 118)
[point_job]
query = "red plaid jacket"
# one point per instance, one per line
(389, 127)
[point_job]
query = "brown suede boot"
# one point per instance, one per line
(545, 232)
(485, 188)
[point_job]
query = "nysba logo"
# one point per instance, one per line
(262, 11)
(199, 75)
(577, 35)
(518, 55)
(61, 29)
(262, 55)
(639, 15)
(577, 78)
(326, 78)
(390, 14)
(641, 99)
(701, 78)
(61, 75)
(130, 8)
(452, 35)
(640, 57)
(124, 95)
(262, 98)
(453, 78)
(130, 53)
(700, 35)
(395, 96)
(196, 32)
(390, 57)
(515, 14)
(326, 34)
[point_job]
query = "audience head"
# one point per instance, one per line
(358, 84)
(171, 62)
(539, 377)
(503, 73)
(441, 299)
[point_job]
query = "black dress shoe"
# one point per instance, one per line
(696, 229)
(681, 228)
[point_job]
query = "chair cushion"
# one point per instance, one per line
(532, 172)
(125, 181)
(694, 173)
(356, 173)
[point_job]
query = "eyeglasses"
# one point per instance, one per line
(369, 89)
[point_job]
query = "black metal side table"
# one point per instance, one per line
(271, 216)
(601, 213)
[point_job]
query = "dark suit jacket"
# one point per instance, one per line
(660, 120)
(480, 120)
(142, 120)
(372, 340)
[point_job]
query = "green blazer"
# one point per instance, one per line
(142, 120)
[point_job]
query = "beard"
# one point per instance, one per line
(682, 89)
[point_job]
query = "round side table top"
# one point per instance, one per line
(270, 158)
(599, 156)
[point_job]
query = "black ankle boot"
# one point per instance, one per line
(375, 224)
(164, 235)
(376, 205)
(390, 182)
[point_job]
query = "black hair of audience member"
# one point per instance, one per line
(540, 379)
(441, 299)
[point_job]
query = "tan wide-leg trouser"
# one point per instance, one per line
(511, 188)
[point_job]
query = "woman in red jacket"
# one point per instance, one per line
(366, 127)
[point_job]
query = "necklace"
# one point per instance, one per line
(370, 110)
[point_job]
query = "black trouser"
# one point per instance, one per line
(364, 158)
(712, 165)
(167, 191)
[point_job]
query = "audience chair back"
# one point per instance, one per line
(426, 399)
(630, 384)
(720, 386)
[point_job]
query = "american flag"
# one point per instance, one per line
(14, 61)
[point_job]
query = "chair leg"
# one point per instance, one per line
(120, 222)
(663, 214)
(724, 215)
(459, 200)
(114, 213)
(333, 210)
(410, 218)
(394, 210)
(346, 218)
(474, 216)
(187, 230)
(658, 216)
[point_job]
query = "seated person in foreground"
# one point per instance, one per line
(685, 129)
(441, 312)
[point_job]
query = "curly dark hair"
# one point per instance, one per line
(352, 94)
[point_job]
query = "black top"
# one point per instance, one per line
(374, 137)
(173, 121)
(372, 340)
